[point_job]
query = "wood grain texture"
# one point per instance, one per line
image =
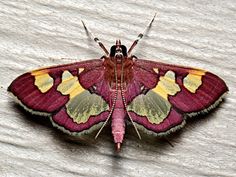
(39, 33)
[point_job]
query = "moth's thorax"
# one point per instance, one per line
(118, 68)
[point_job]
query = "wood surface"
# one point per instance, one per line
(40, 33)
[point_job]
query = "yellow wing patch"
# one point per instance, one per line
(167, 85)
(199, 72)
(193, 80)
(42, 80)
(69, 85)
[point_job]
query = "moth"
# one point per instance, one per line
(119, 87)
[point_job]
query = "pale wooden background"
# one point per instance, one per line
(193, 33)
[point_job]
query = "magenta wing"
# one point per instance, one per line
(160, 96)
(69, 94)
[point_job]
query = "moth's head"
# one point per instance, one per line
(118, 51)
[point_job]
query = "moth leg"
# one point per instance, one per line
(140, 36)
(165, 139)
(95, 39)
(134, 57)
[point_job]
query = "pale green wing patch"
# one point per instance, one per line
(84, 105)
(151, 105)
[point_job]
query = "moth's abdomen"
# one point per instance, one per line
(118, 119)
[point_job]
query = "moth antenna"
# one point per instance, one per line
(136, 129)
(112, 108)
(89, 33)
(124, 101)
(103, 125)
(140, 36)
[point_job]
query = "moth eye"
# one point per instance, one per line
(112, 51)
(124, 50)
